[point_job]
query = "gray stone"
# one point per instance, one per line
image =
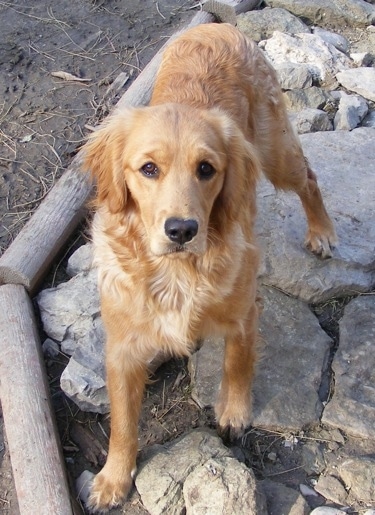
(294, 352)
(261, 24)
(50, 348)
(352, 110)
(293, 76)
(83, 379)
(310, 98)
(312, 120)
(343, 162)
(67, 311)
(353, 403)
(369, 120)
(222, 486)
(81, 260)
(361, 58)
(327, 510)
(281, 499)
(359, 80)
(338, 41)
(164, 469)
(313, 461)
(334, 12)
(323, 59)
(332, 489)
(358, 475)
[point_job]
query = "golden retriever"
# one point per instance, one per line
(173, 231)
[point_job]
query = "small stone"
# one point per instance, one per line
(80, 260)
(313, 98)
(358, 475)
(352, 109)
(83, 485)
(281, 499)
(338, 41)
(312, 120)
(313, 461)
(361, 58)
(326, 510)
(50, 348)
(359, 80)
(332, 489)
(293, 76)
(307, 491)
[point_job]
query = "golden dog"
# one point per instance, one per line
(173, 231)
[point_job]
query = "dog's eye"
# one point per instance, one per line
(150, 170)
(205, 170)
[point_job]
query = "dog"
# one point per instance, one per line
(173, 230)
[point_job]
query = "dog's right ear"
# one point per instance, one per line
(103, 158)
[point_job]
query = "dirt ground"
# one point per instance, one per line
(43, 121)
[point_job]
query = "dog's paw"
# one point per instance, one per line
(107, 492)
(321, 243)
(233, 420)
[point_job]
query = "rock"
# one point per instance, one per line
(310, 98)
(293, 76)
(358, 475)
(361, 58)
(359, 80)
(327, 510)
(281, 499)
(67, 311)
(335, 12)
(306, 491)
(80, 260)
(352, 406)
(222, 486)
(348, 185)
(323, 59)
(83, 379)
(312, 120)
(83, 485)
(332, 489)
(164, 470)
(261, 24)
(295, 352)
(338, 41)
(50, 348)
(352, 109)
(369, 120)
(313, 461)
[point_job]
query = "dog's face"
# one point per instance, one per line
(174, 163)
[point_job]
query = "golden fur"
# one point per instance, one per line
(215, 121)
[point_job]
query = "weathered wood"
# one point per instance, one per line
(38, 467)
(29, 256)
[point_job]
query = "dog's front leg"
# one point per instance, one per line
(125, 382)
(233, 409)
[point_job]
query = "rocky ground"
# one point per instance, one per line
(312, 442)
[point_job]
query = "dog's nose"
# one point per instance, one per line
(179, 230)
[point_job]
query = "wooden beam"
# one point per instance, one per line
(37, 463)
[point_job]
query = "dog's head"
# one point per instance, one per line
(184, 170)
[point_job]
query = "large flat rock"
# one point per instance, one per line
(352, 406)
(344, 163)
(294, 352)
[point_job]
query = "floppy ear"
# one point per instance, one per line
(243, 171)
(103, 158)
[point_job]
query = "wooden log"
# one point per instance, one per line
(38, 467)
(29, 256)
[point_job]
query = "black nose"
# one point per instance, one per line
(180, 231)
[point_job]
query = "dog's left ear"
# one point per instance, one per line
(243, 171)
(103, 159)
